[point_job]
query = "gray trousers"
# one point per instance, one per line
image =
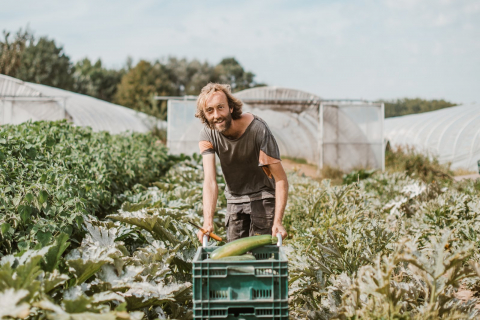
(249, 218)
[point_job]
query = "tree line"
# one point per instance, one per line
(42, 60)
(404, 106)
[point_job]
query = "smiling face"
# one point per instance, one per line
(217, 112)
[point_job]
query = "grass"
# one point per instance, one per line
(296, 160)
(415, 164)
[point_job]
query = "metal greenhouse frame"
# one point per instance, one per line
(301, 123)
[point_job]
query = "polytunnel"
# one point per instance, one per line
(451, 134)
(22, 101)
(340, 134)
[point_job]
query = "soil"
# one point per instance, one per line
(467, 176)
(465, 295)
(309, 170)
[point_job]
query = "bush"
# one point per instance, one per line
(416, 164)
(388, 247)
(52, 173)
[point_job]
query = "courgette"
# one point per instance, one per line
(244, 257)
(240, 246)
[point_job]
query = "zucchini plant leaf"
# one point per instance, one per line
(11, 305)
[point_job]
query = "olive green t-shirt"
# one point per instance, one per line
(244, 160)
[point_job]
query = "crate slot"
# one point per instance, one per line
(213, 272)
(265, 256)
(264, 312)
(262, 294)
(240, 311)
(217, 312)
(265, 271)
(218, 294)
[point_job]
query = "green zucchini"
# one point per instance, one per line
(244, 257)
(240, 246)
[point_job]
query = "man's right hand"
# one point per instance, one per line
(207, 228)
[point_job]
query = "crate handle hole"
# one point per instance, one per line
(240, 311)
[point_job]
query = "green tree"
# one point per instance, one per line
(11, 51)
(141, 84)
(176, 77)
(46, 63)
(200, 75)
(400, 107)
(95, 80)
(231, 72)
(189, 77)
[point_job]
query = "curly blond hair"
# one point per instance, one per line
(208, 90)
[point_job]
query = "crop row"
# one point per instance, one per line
(394, 245)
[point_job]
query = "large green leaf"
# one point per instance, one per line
(11, 305)
(52, 280)
(54, 254)
(143, 294)
(84, 265)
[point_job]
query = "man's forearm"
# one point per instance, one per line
(210, 195)
(281, 196)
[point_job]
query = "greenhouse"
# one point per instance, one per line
(22, 101)
(340, 134)
(452, 134)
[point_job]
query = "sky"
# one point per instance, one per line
(362, 49)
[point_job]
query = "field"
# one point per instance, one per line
(93, 226)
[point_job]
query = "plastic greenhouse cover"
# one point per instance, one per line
(452, 134)
(359, 142)
(21, 101)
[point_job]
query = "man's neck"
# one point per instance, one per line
(238, 126)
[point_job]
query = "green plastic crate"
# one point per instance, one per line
(242, 289)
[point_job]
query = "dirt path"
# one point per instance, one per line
(468, 176)
(309, 170)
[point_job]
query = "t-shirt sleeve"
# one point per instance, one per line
(269, 153)
(205, 144)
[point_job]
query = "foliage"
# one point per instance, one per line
(95, 80)
(133, 264)
(400, 107)
(11, 51)
(52, 174)
(416, 164)
(188, 77)
(332, 173)
(387, 247)
(43, 61)
(295, 160)
(141, 84)
(390, 246)
(175, 77)
(229, 71)
(357, 175)
(46, 63)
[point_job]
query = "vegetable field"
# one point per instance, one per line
(93, 226)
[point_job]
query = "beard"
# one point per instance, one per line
(224, 126)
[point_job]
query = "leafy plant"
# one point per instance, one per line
(388, 247)
(52, 174)
(418, 165)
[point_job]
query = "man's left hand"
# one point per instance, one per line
(279, 228)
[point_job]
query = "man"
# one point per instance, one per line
(256, 184)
